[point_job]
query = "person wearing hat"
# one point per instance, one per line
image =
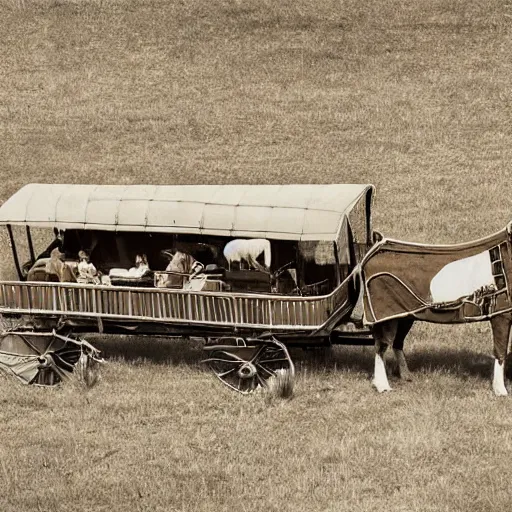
(87, 272)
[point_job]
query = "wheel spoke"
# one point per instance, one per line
(224, 374)
(219, 360)
(258, 354)
(280, 360)
(66, 351)
(231, 386)
(34, 348)
(261, 380)
(234, 356)
(270, 372)
(63, 362)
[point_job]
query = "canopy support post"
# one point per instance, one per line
(337, 260)
(368, 208)
(300, 267)
(30, 246)
(14, 252)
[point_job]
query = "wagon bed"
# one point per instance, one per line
(236, 311)
(244, 330)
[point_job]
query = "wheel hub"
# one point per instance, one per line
(44, 361)
(247, 371)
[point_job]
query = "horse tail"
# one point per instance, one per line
(268, 254)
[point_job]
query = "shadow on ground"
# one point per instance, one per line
(151, 349)
(353, 359)
(357, 359)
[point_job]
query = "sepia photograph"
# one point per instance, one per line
(255, 255)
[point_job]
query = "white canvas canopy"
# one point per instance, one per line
(283, 212)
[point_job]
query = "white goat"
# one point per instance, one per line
(248, 250)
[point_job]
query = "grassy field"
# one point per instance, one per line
(411, 96)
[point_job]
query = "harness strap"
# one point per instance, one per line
(358, 311)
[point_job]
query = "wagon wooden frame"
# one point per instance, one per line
(337, 214)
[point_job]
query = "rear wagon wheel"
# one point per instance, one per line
(248, 365)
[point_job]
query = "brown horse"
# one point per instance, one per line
(448, 284)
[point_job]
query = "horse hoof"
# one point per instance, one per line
(500, 392)
(381, 388)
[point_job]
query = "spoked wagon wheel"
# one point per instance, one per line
(45, 359)
(246, 365)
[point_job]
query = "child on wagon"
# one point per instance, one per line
(87, 272)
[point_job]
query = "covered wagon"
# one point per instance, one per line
(152, 260)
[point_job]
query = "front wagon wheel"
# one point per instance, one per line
(246, 365)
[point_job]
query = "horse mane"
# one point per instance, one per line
(182, 261)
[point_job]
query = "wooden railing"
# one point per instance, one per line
(168, 305)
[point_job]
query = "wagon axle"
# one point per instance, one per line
(247, 371)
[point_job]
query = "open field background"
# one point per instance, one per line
(414, 97)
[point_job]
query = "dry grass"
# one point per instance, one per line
(412, 96)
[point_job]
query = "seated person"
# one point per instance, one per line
(59, 268)
(87, 272)
(140, 269)
(29, 265)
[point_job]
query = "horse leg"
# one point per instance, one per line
(500, 332)
(257, 265)
(404, 326)
(384, 333)
(252, 263)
